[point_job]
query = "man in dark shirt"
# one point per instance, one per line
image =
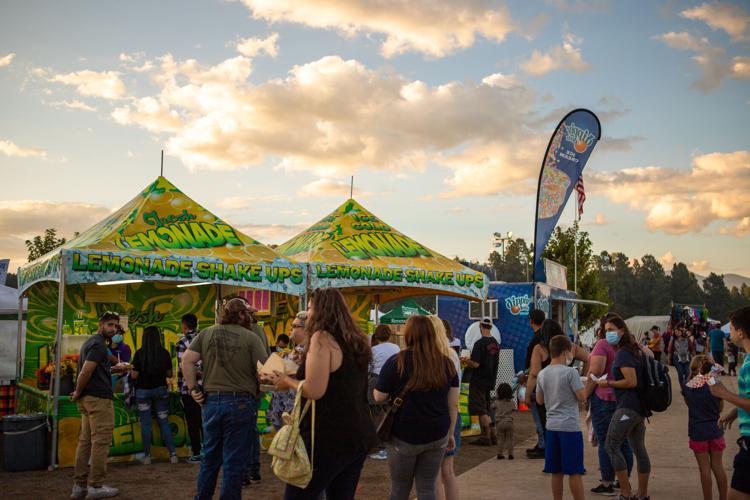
(93, 395)
(536, 318)
(483, 364)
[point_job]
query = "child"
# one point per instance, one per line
(560, 390)
(706, 438)
(503, 408)
(732, 359)
(739, 332)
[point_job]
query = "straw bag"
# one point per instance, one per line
(290, 461)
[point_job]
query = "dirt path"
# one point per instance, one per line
(161, 480)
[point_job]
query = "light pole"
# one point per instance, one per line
(499, 240)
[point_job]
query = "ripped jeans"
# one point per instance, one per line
(157, 399)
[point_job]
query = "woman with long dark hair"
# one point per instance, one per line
(629, 419)
(423, 426)
(334, 367)
(603, 404)
(152, 365)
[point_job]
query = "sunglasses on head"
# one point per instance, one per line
(109, 315)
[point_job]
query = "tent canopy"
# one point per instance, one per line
(352, 248)
(400, 314)
(163, 235)
(639, 325)
(9, 301)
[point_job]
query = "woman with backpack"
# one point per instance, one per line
(629, 420)
(152, 366)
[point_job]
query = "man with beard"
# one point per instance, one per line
(230, 353)
(93, 396)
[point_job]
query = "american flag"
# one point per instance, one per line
(581, 194)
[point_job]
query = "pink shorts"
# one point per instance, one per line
(708, 446)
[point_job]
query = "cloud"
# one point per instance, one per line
(75, 104)
(331, 188)
(23, 219)
(252, 47)
(680, 201)
(581, 5)
(150, 114)
(566, 56)
(105, 84)
(668, 260)
(10, 149)
(434, 28)
(711, 59)
(272, 234)
(246, 202)
(742, 228)
(699, 266)
(599, 220)
(733, 19)
(7, 59)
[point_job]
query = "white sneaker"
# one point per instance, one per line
(146, 460)
(173, 459)
(381, 455)
(102, 492)
(78, 492)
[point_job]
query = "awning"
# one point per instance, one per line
(578, 301)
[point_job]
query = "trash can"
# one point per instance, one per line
(24, 442)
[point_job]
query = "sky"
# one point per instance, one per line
(441, 111)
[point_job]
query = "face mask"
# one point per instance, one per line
(568, 360)
(117, 339)
(613, 338)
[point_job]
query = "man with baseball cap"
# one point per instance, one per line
(483, 363)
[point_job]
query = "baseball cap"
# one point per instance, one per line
(486, 322)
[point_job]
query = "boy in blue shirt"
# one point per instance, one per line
(740, 334)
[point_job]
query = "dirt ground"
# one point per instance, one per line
(161, 479)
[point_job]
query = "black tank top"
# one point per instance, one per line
(342, 419)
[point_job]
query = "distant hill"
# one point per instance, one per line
(731, 280)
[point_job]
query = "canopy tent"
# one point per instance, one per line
(353, 249)
(9, 302)
(639, 325)
(160, 236)
(400, 314)
(163, 235)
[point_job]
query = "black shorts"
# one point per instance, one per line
(741, 476)
(479, 401)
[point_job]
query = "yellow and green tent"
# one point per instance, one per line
(353, 249)
(163, 235)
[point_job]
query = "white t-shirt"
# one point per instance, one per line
(382, 353)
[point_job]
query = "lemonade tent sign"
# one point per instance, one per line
(158, 239)
(163, 235)
(353, 249)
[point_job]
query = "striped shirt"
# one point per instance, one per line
(743, 382)
(180, 347)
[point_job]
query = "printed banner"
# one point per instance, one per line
(352, 248)
(4, 263)
(567, 153)
(163, 235)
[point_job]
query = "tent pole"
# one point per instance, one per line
(217, 309)
(19, 347)
(377, 310)
(58, 351)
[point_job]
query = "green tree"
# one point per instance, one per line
(718, 297)
(617, 274)
(41, 245)
(515, 265)
(652, 286)
(590, 284)
(685, 287)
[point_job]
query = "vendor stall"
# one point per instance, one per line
(160, 256)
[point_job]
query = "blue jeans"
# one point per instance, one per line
(252, 468)
(226, 424)
(683, 371)
(601, 416)
(156, 399)
(537, 423)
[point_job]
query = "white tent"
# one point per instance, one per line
(9, 332)
(639, 325)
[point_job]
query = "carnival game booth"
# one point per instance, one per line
(160, 256)
(372, 263)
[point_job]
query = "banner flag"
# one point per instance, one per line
(567, 153)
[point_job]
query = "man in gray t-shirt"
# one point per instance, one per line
(559, 384)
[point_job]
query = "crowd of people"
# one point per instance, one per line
(354, 380)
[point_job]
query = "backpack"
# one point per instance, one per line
(655, 385)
